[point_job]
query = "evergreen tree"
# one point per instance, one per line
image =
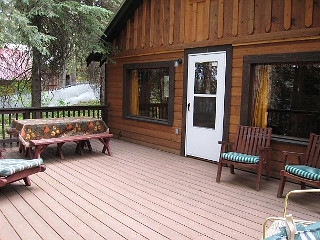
(60, 34)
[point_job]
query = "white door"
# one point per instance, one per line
(205, 104)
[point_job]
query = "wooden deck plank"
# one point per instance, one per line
(147, 208)
(141, 193)
(20, 224)
(195, 180)
(171, 207)
(86, 228)
(103, 195)
(66, 188)
(36, 214)
(6, 229)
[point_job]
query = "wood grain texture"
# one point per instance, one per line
(143, 24)
(194, 22)
(220, 18)
(268, 15)
(182, 20)
(251, 16)
(308, 16)
(171, 23)
(162, 21)
(206, 25)
(151, 33)
(287, 14)
(135, 28)
(128, 33)
(235, 18)
(187, 24)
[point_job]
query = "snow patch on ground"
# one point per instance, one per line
(72, 95)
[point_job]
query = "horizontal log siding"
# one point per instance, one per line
(252, 27)
(148, 134)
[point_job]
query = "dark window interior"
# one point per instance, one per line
(148, 93)
(283, 95)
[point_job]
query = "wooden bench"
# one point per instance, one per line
(80, 140)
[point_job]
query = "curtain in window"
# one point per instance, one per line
(134, 93)
(261, 97)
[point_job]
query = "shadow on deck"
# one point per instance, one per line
(140, 193)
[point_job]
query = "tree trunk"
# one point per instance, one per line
(62, 77)
(36, 79)
(103, 88)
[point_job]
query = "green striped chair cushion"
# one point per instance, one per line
(11, 166)
(304, 171)
(240, 157)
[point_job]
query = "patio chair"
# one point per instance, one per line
(12, 170)
(289, 228)
(307, 171)
(251, 149)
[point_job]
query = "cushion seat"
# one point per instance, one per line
(11, 166)
(304, 171)
(240, 157)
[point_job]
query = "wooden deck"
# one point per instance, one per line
(140, 193)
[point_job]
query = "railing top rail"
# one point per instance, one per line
(22, 110)
(293, 111)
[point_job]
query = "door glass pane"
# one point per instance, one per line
(205, 78)
(204, 114)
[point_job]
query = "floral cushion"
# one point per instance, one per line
(304, 171)
(11, 166)
(240, 157)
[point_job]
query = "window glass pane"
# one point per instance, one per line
(205, 78)
(150, 92)
(286, 97)
(204, 114)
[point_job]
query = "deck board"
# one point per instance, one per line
(140, 193)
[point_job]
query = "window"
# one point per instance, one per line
(148, 92)
(284, 95)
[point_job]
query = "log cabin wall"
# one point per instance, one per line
(160, 30)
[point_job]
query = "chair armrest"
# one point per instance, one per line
(287, 155)
(265, 149)
(226, 146)
(298, 192)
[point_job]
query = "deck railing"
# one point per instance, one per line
(9, 114)
(294, 123)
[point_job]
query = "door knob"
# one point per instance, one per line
(188, 106)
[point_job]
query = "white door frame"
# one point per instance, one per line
(228, 51)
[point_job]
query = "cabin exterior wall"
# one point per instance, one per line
(162, 31)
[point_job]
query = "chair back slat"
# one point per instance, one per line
(249, 139)
(313, 151)
(250, 143)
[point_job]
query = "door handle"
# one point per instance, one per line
(188, 106)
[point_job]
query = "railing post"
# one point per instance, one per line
(27, 114)
(104, 113)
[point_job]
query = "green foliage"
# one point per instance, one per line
(15, 27)
(16, 92)
(64, 32)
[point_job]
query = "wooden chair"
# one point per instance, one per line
(307, 172)
(251, 149)
(12, 170)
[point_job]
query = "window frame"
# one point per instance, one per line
(247, 85)
(127, 90)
